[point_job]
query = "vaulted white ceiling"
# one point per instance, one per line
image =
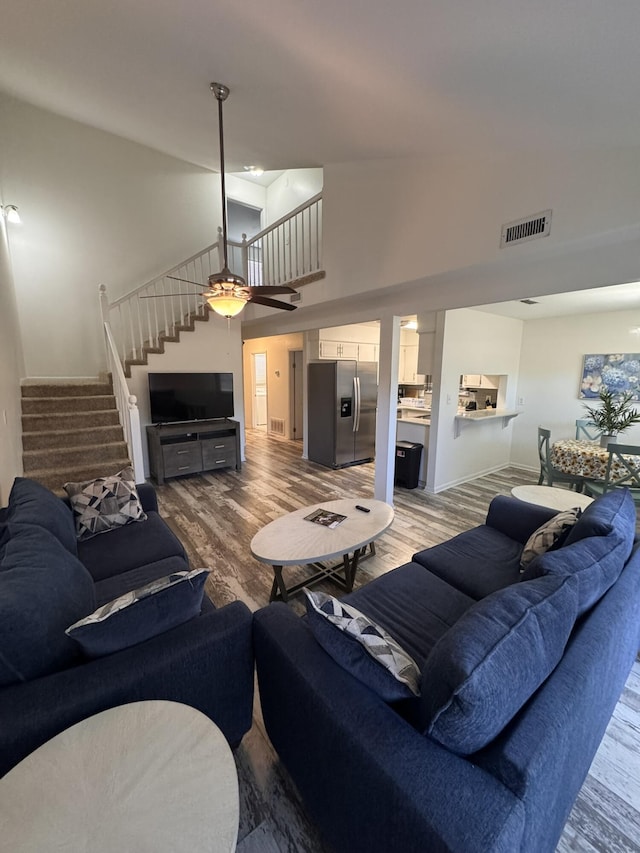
(338, 80)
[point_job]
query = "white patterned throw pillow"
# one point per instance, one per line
(549, 535)
(107, 502)
(379, 647)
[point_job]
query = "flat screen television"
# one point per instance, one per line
(176, 397)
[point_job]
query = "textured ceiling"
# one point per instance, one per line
(332, 81)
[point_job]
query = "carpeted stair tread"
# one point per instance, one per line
(51, 458)
(67, 389)
(60, 405)
(55, 478)
(69, 420)
(45, 439)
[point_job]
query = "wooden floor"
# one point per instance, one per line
(216, 515)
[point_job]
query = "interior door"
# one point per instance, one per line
(295, 373)
(259, 397)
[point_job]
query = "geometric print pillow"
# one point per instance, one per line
(143, 613)
(550, 535)
(363, 648)
(107, 502)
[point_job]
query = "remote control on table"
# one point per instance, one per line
(363, 508)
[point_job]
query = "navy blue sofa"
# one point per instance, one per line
(390, 776)
(49, 580)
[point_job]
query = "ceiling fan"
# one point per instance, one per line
(225, 292)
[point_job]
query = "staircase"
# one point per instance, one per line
(71, 432)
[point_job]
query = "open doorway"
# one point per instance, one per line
(259, 390)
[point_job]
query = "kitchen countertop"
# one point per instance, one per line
(414, 415)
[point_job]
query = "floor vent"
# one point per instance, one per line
(295, 297)
(522, 230)
(276, 426)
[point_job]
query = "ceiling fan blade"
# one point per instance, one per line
(186, 281)
(264, 289)
(271, 303)
(166, 295)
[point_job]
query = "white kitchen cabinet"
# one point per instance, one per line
(367, 352)
(348, 349)
(338, 349)
(408, 368)
(478, 380)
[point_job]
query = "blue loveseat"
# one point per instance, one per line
(519, 677)
(49, 580)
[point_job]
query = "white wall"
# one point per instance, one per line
(290, 190)
(551, 370)
(211, 348)
(390, 221)
(11, 370)
(471, 341)
(96, 209)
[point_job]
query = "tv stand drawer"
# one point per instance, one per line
(183, 458)
(219, 452)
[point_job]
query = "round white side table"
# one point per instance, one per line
(559, 499)
(149, 777)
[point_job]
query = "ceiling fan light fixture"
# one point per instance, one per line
(226, 304)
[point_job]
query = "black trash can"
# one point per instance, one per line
(408, 456)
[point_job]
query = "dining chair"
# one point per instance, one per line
(621, 473)
(586, 429)
(549, 474)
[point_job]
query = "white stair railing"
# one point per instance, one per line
(288, 250)
(126, 403)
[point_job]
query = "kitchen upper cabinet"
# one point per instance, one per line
(348, 349)
(367, 352)
(478, 380)
(408, 369)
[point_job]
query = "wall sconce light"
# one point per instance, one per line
(10, 212)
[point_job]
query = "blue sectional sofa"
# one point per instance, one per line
(519, 675)
(49, 580)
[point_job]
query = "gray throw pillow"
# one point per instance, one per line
(107, 502)
(549, 535)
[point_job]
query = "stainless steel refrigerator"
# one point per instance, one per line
(342, 399)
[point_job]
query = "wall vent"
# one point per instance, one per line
(276, 426)
(295, 297)
(522, 230)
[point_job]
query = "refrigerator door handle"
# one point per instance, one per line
(356, 395)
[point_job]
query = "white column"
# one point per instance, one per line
(387, 408)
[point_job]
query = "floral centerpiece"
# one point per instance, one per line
(615, 415)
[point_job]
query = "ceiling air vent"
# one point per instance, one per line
(295, 297)
(526, 229)
(528, 301)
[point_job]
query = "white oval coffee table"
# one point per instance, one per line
(559, 499)
(293, 541)
(150, 777)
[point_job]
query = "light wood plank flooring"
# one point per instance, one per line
(216, 515)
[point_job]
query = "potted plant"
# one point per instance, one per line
(614, 416)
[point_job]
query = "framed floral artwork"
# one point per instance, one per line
(616, 372)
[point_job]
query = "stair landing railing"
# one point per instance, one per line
(126, 402)
(289, 251)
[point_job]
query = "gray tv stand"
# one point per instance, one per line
(191, 447)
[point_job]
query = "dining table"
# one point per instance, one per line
(586, 459)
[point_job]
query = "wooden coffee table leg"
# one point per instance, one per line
(278, 585)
